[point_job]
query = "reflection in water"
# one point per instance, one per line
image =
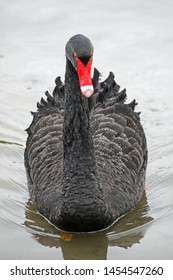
(9, 143)
(126, 232)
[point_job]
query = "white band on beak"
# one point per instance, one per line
(87, 90)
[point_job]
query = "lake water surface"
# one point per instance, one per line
(134, 39)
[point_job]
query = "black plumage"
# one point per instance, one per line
(85, 158)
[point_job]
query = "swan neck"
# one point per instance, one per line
(77, 136)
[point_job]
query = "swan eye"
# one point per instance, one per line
(75, 56)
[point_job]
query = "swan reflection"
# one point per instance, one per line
(126, 232)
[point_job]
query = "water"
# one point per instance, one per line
(134, 40)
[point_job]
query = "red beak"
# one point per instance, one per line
(84, 75)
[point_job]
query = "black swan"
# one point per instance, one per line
(86, 152)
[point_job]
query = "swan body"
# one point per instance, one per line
(86, 152)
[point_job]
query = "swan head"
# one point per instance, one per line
(79, 51)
